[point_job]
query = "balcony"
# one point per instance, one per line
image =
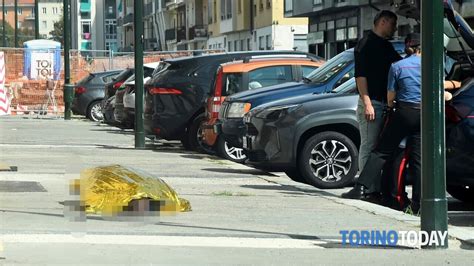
(198, 31)
(148, 9)
(128, 19)
(170, 35)
(181, 34)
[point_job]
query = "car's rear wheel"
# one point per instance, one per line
(295, 174)
(194, 136)
(462, 193)
(227, 151)
(328, 160)
(94, 111)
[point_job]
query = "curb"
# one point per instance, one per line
(465, 236)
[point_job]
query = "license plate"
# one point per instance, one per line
(246, 119)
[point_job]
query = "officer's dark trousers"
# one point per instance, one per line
(396, 178)
(403, 121)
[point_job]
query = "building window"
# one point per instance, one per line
(229, 9)
(215, 11)
(261, 45)
(341, 23)
(110, 29)
(341, 35)
(352, 33)
(260, 5)
(269, 3)
(44, 10)
(55, 10)
(330, 25)
(229, 46)
(248, 45)
(20, 11)
(317, 2)
(242, 45)
(239, 6)
(44, 24)
(288, 6)
(236, 45)
(269, 42)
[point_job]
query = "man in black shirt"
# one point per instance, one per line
(374, 55)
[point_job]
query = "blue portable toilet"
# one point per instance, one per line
(42, 59)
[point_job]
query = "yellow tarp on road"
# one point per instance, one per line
(110, 190)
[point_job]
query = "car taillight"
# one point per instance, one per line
(80, 90)
(218, 85)
(214, 106)
(117, 85)
(155, 90)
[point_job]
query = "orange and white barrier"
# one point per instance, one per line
(4, 99)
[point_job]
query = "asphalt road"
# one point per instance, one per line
(240, 215)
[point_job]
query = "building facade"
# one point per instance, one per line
(50, 12)
(26, 14)
(254, 25)
(94, 25)
(336, 25)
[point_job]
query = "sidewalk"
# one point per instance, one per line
(240, 215)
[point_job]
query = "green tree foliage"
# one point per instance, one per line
(58, 31)
(23, 35)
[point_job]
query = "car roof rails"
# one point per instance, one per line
(275, 56)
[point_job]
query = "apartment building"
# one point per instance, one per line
(94, 24)
(336, 25)
(254, 25)
(50, 11)
(26, 14)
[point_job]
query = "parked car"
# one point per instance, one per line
(175, 98)
(89, 93)
(329, 76)
(313, 138)
(249, 74)
(120, 115)
(108, 104)
(459, 44)
(129, 94)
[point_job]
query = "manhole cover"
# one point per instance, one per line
(21, 186)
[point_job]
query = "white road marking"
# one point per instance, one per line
(178, 241)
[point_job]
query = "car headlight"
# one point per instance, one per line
(238, 110)
(276, 112)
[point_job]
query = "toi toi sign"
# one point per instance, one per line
(42, 66)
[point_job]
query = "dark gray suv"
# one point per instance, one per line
(313, 138)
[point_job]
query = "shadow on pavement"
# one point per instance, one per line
(238, 171)
(460, 213)
(291, 190)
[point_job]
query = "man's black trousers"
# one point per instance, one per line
(402, 122)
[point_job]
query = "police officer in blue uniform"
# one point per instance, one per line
(404, 96)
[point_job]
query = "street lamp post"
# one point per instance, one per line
(36, 20)
(433, 201)
(68, 88)
(3, 24)
(16, 23)
(138, 26)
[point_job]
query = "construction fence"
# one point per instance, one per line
(34, 82)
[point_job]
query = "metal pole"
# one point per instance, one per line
(16, 23)
(138, 26)
(37, 19)
(68, 88)
(433, 201)
(3, 24)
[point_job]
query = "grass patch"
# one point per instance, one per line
(231, 194)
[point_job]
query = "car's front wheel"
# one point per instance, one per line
(328, 160)
(462, 193)
(94, 112)
(229, 152)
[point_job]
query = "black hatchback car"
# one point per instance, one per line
(89, 93)
(175, 99)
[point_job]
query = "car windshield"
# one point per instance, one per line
(332, 67)
(346, 87)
